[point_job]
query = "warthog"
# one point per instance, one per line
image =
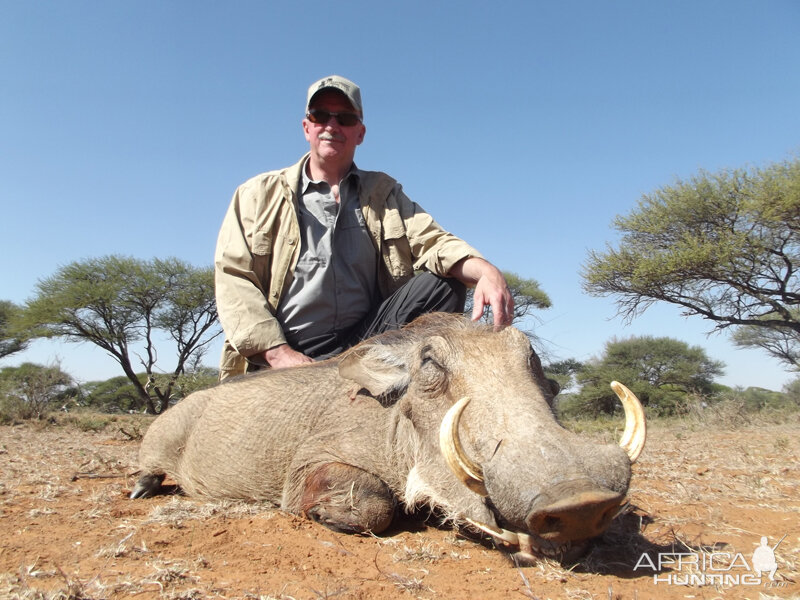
(443, 413)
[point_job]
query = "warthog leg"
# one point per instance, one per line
(148, 485)
(347, 499)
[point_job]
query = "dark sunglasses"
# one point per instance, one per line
(321, 117)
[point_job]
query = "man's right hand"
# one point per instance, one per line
(280, 357)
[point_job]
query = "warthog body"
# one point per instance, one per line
(344, 441)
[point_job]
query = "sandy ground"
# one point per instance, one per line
(68, 530)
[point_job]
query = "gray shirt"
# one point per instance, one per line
(335, 279)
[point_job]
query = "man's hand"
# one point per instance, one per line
(490, 289)
(280, 357)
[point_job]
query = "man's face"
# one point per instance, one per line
(331, 142)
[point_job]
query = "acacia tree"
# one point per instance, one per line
(563, 372)
(722, 246)
(660, 371)
(10, 341)
(120, 304)
(782, 343)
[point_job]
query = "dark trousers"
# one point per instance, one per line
(423, 294)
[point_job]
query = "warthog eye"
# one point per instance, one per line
(431, 375)
(427, 358)
(430, 361)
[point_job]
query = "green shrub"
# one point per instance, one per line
(13, 410)
(30, 391)
(88, 421)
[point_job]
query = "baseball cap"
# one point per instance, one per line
(335, 82)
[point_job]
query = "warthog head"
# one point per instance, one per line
(483, 442)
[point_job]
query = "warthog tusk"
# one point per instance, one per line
(526, 545)
(470, 474)
(503, 535)
(633, 438)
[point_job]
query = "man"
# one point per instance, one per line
(313, 258)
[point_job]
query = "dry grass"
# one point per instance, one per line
(179, 509)
(423, 551)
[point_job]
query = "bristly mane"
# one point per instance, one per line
(435, 323)
(424, 326)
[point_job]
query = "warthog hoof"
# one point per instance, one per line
(147, 486)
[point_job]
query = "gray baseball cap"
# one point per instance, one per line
(334, 82)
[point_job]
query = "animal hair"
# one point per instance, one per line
(435, 323)
(418, 493)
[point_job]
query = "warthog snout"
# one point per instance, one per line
(573, 510)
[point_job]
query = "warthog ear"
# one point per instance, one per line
(380, 368)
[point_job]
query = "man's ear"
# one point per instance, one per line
(379, 367)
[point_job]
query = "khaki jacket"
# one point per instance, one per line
(259, 245)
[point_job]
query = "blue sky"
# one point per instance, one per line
(523, 127)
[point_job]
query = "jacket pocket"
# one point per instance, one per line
(262, 259)
(397, 258)
(262, 243)
(393, 226)
(396, 249)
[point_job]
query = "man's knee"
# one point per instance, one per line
(425, 293)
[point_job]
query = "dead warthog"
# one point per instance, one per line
(443, 413)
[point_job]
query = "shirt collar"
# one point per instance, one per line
(306, 181)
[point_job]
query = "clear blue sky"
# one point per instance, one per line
(523, 127)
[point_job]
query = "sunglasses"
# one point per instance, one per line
(321, 117)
